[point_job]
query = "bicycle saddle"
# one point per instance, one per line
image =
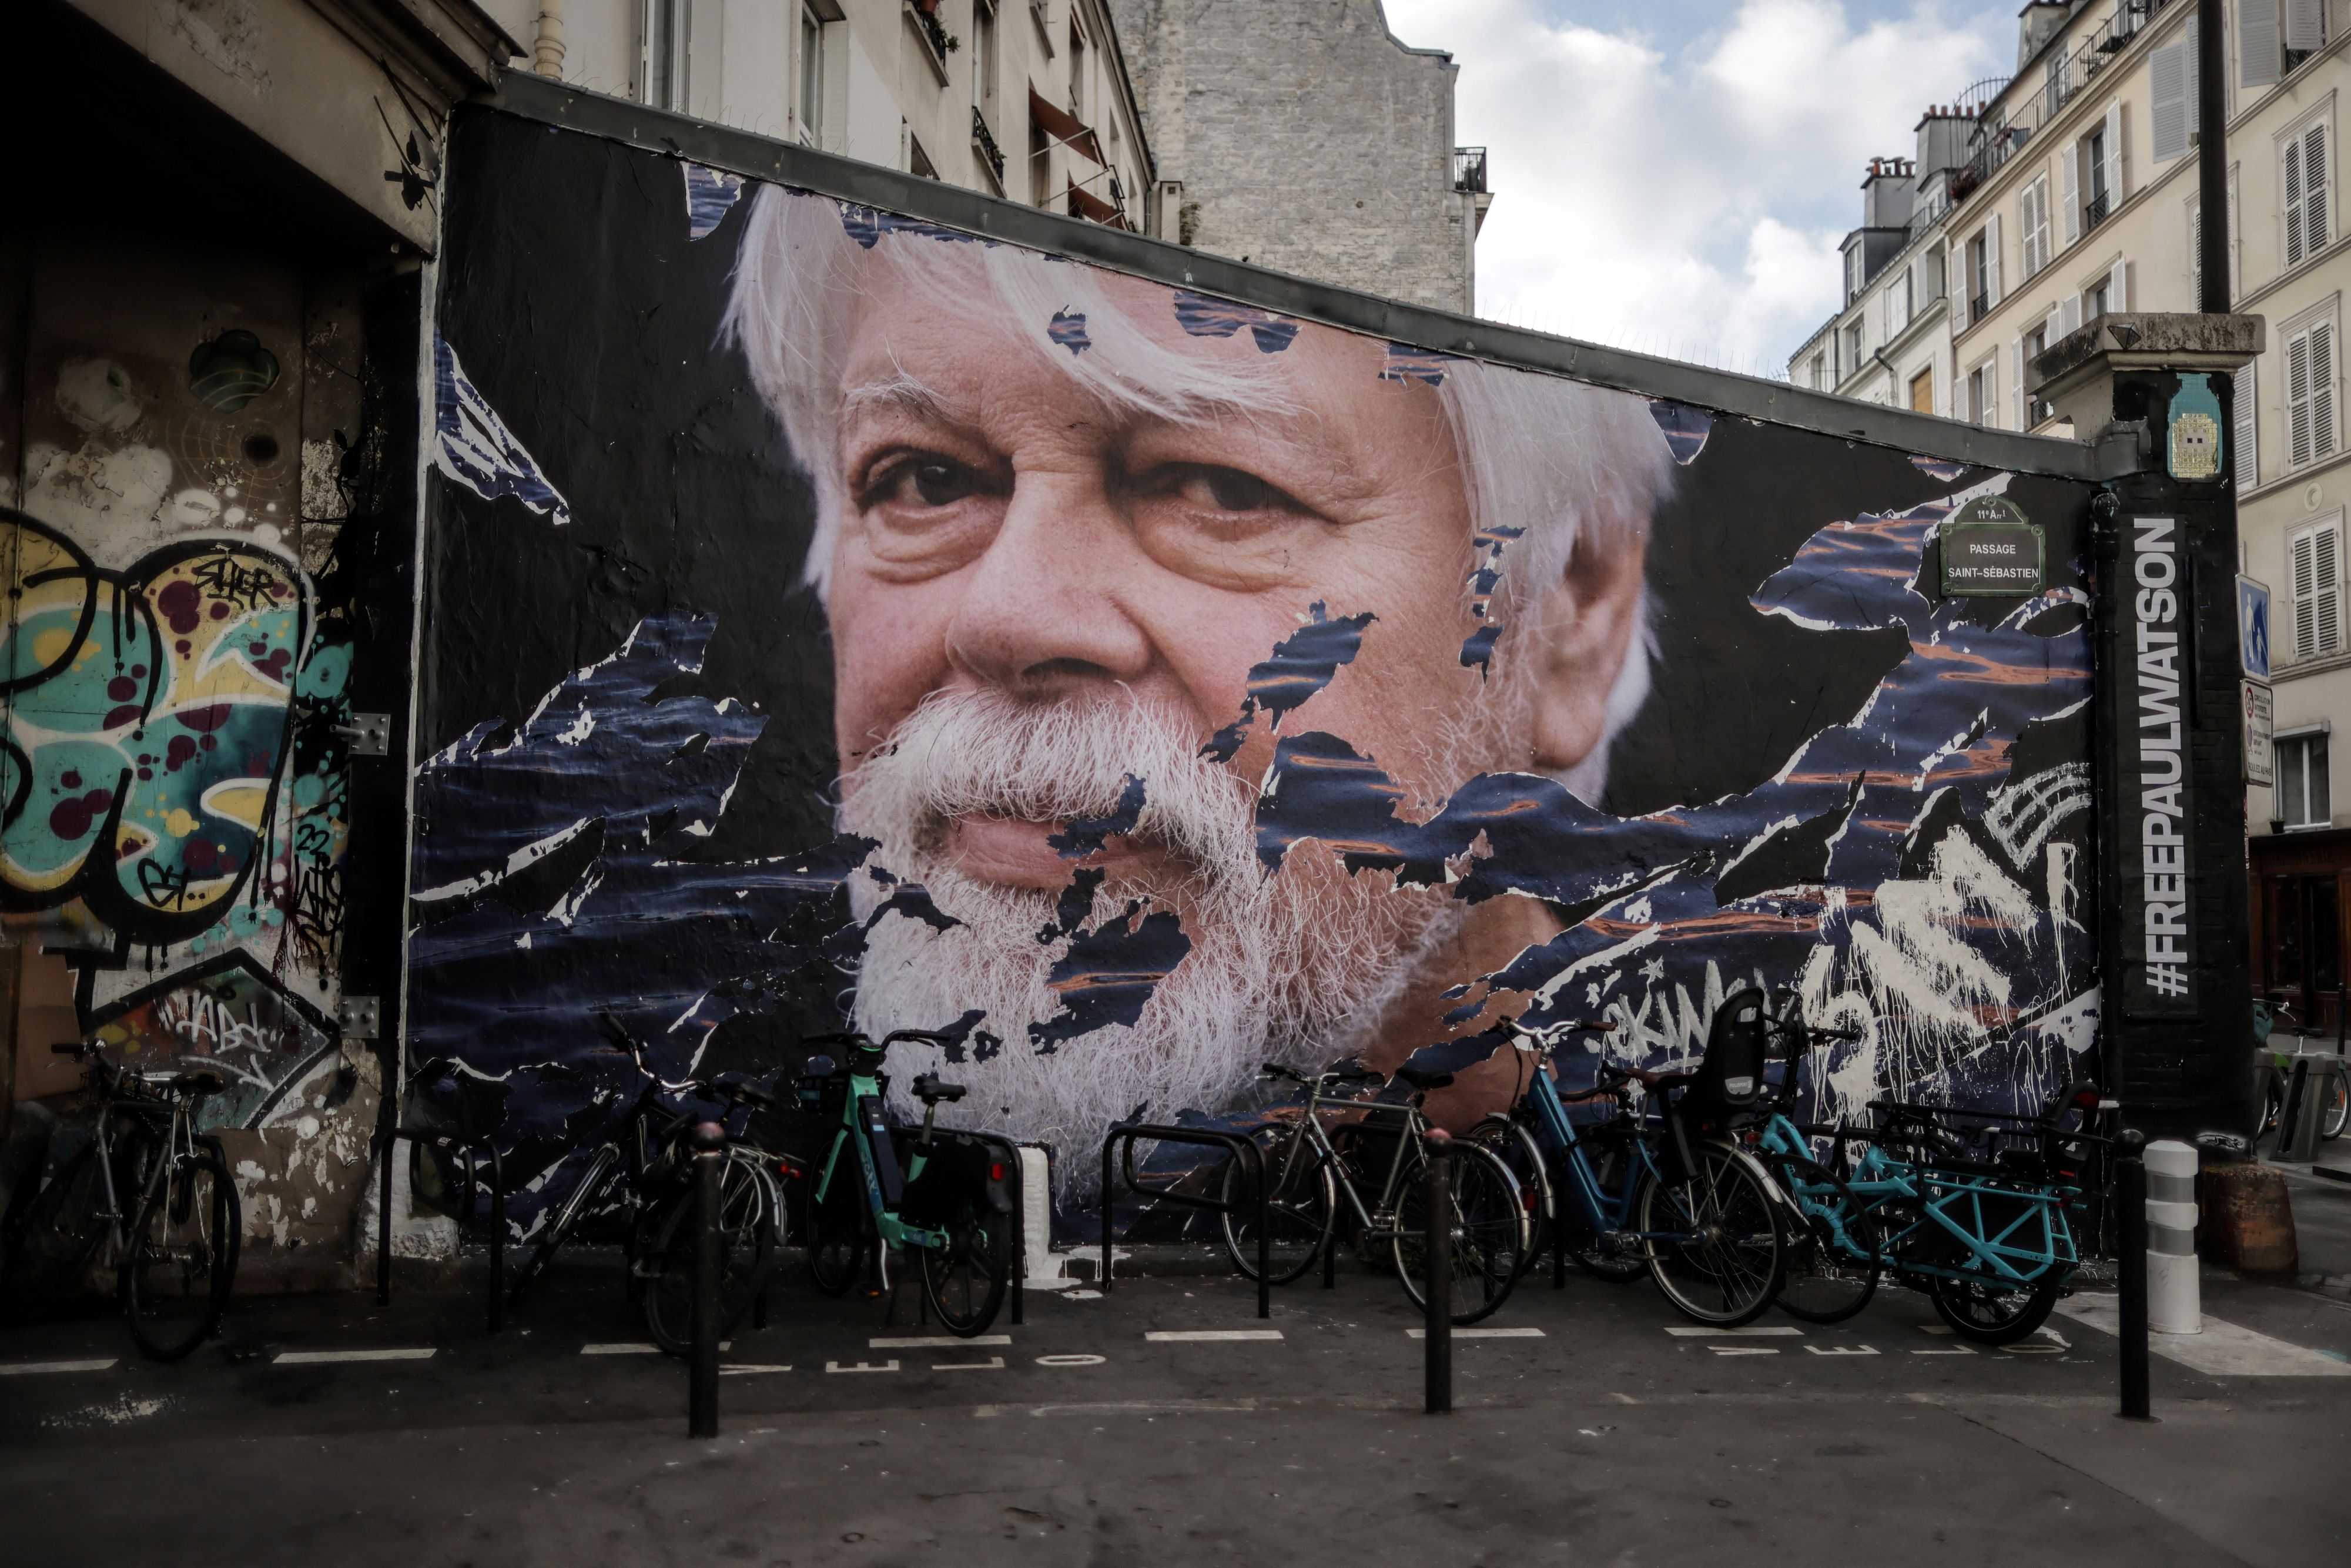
(203, 1081)
(1423, 1081)
(738, 1086)
(1649, 1080)
(931, 1091)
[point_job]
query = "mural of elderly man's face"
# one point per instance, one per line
(1036, 595)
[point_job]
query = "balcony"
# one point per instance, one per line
(1469, 170)
(1980, 305)
(2095, 211)
(2000, 132)
(984, 140)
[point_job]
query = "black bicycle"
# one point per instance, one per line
(144, 1195)
(640, 1182)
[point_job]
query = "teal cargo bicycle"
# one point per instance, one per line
(884, 1190)
(1977, 1210)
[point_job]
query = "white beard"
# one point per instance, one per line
(1295, 969)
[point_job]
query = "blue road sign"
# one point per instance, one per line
(2254, 627)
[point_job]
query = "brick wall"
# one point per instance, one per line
(1308, 140)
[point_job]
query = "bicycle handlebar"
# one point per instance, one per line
(1329, 1075)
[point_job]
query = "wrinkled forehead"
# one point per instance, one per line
(924, 312)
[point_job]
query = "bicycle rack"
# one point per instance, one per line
(1019, 1213)
(1126, 1134)
(451, 1144)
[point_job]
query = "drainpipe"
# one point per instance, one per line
(549, 49)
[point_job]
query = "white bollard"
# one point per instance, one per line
(2174, 1296)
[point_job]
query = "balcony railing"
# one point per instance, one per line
(2000, 132)
(2095, 210)
(1469, 170)
(984, 139)
(1980, 305)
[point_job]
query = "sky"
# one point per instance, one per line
(1674, 176)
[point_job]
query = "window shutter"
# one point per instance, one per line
(2069, 164)
(2119, 287)
(1992, 260)
(2016, 382)
(2305, 24)
(2305, 596)
(2247, 457)
(1990, 398)
(2326, 593)
(2052, 329)
(2297, 399)
(2314, 188)
(2114, 156)
(2195, 252)
(2069, 315)
(2321, 390)
(2195, 114)
(2290, 180)
(2257, 43)
(2167, 119)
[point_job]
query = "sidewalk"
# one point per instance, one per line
(1138, 1428)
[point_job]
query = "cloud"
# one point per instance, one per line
(1676, 178)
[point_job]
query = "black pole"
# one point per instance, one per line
(2338, 1017)
(1107, 1144)
(2130, 1196)
(383, 1224)
(1437, 1239)
(497, 1241)
(709, 1142)
(2212, 155)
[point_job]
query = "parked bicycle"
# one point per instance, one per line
(883, 1191)
(1977, 1210)
(639, 1180)
(1377, 1151)
(1655, 1188)
(145, 1195)
(2272, 1014)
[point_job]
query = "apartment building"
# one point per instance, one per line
(2078, 195)
(1029, 99)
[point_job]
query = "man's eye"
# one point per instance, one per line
(926, 482)
(1230, 490)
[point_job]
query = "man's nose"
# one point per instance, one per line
(1044, 613)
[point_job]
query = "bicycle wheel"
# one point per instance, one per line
(1995, 1313)
(964, 1280)
(1730, 1265)
(1514, 1144)
(589, 1187)
(1618, 1262)
(1490, 1232)
(838, 1243)
(183, 1257)
(747, 1237)
(1823, 1283)
(1300, 1209)
(2338, 1112)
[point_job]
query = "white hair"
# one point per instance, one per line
(1577, 467)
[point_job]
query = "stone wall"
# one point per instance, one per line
(1307, 139)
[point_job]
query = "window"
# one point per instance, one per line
(1820, 371)
(2034, 215)
(811, 104)
(1853, 272)
(2094, 201)
(1853, 355)
(2302, 798)
(983, 56)
(1041, 163)
(2303, 183)
(2315, 568)
(917, 160)
(2094, 301)
(664, 31)
(1981, 389)
(2172, 113)
(1979, 274)
(1922, 391)
(2310, 390)
(1076, 69)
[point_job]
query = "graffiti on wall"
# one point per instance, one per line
(1201, 697)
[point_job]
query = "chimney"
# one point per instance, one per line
(1886, 193)
(1943, 132)
(2036, 25)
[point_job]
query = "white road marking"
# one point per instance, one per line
(1956, 1350)
(937, 1341)
(2222, 1350)
(1744, 1349)
(1765, 1331)
(1072, 1360)
(1935, 1328)
(993, 1363)
(320, 1357)
(620, 1350)
(747, 1368)
(1484, 1333)
(1190, 1336)
(891, 1365)
(1840, 1350)
(28, 1368)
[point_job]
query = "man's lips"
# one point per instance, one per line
(1015, 852)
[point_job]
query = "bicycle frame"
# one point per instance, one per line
(1563, 1148)
(865, 1127)
(1377, 1223)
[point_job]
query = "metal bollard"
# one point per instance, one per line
(1437, 1239)
(708, 1141)
(2130, 1197)
(2174, 1297)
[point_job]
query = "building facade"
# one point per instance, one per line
(1028, 100)
(2077, 196)
(1302, 135)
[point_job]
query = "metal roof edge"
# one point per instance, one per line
(744, 152)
